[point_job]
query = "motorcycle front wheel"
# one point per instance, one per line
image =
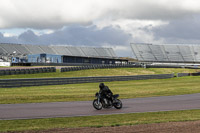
(118, 104)
(96, 105)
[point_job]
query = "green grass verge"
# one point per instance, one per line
(104, 72)
(100, 121)
(86, 91)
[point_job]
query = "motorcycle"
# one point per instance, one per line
(100, 102)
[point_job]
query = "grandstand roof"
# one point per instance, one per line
(25, 49)
(166, 52)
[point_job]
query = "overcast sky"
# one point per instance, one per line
(100, 23)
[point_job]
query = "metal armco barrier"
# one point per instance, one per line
(8, 83)
(163, 66)
(188, 74)
(27, 71)
(183, 74)
(195, 74)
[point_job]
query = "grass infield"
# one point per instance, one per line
(104, 72)
(86, 91)
(99, 121)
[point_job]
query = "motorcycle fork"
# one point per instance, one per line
(98, 100)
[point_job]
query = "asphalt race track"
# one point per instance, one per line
(85, 108)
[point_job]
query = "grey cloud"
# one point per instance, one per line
(151, 11)
(54, 14)
(7, 39)
(180, 31)
(74, 35)
(28, 37)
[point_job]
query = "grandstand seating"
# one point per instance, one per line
(187, 53)
(34, 49)
(91, 52)
(158, 52)
(10, 49)
(145, 52)
(47, 49)
(196, 50)
(2, 51)
(173, 53)
(23, 49)
(111, 51)
(103, 52)
(76, 51)
(60, 50)
(167, 52)
(136, 52)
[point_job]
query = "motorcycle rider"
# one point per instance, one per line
(105, 92)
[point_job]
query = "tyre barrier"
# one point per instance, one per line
(9, 83)
(27, 71)
(77, 68)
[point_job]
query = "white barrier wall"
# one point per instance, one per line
(5, 63)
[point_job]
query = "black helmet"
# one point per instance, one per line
(101, 85)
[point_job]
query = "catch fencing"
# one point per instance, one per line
(8, 83)
(27, 71)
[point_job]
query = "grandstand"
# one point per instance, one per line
(171, 53)
(66, 54)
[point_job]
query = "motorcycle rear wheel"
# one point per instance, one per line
(96, 105)
(118, 104)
